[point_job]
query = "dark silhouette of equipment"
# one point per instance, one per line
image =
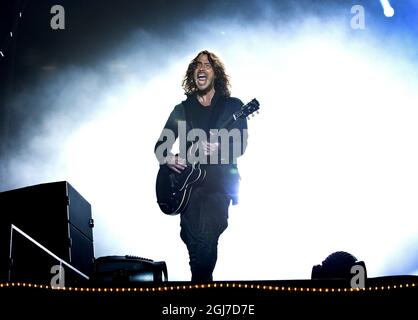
(53, 216)
(337, 265)
(128, 270)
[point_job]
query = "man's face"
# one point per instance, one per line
(204, 76)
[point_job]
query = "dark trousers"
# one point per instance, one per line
(204, 220)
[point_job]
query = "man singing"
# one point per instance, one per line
(208, 105)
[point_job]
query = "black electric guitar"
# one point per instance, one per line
(173, 189)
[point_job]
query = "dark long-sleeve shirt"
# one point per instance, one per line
(222, 172)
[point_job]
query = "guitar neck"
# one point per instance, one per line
(244, 112)
(228, 122)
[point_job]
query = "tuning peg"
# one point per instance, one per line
(248, 118)
(252, 115)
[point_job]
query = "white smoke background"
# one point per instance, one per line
(331, 160)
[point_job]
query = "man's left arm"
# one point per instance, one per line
(240, 136)
(233, 142)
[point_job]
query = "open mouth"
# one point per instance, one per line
(201, 78)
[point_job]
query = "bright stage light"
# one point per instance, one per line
(388, 11)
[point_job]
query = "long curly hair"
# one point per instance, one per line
(222, 83)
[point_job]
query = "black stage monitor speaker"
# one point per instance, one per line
(57, 217)
(128, 270)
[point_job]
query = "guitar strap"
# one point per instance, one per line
(187, 115)
(189, 122)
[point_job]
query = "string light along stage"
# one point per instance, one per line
(398, 286)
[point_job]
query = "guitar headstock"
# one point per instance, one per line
(247, 109)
